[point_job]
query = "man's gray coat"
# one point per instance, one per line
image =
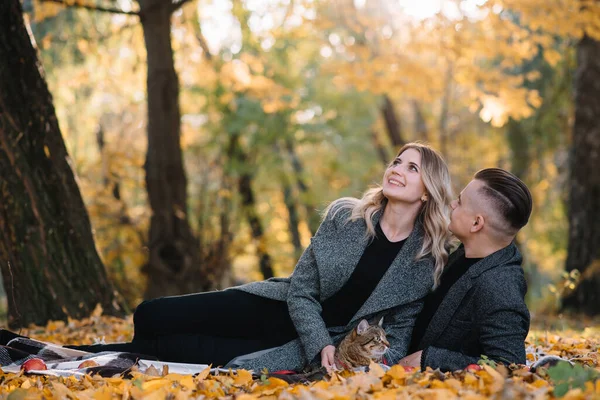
(322, 270)
(483, 313)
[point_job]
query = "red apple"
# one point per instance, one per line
(88, 363)
(35, 364)
(473, 368)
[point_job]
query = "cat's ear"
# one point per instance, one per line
(380, 323)
(362, 327)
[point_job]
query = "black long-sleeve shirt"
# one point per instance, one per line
(339, 309)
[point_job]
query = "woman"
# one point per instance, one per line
(376, 256)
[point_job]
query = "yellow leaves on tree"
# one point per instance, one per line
(483, 50)
(45, 9)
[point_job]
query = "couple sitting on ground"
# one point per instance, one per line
(383, 256)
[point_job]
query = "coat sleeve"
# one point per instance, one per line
(501, 320)
(304, 295)
(398, 329)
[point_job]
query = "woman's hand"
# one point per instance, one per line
(412, 360)
(327, 358)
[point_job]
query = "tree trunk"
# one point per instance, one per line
(519, 146)
(520, 162)
(312, 212)
(293, 218)
(392, 123)
(173, 260)
(291, 205)
(380, 150)
(249, 207)
(443, 123)
(420, 125)
(256, 227)
(49, 262)
(584, 183)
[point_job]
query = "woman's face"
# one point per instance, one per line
(402, 181)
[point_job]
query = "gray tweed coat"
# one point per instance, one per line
(322, 270)
(483, 313)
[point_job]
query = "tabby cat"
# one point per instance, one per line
(364, 344)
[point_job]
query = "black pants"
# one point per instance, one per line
(207, 328)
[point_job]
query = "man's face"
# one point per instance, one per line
(465, 210)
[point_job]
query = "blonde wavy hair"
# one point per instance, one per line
(435, 213)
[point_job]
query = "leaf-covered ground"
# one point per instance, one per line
(583, 345)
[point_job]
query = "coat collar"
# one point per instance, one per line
(454, 297)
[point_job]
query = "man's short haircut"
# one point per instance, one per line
(508, 194)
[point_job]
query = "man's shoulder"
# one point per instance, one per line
(500, 273)
(502, 283)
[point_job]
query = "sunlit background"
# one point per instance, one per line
(318, 93)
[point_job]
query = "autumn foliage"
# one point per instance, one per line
(301, 97)
(486, 381)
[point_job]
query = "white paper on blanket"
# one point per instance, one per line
(174, 368)
(63, 361)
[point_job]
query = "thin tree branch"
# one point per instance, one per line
(288, 12)
(202, 41)
(71, 3)
(197, 27)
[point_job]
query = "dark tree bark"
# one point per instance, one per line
(392, 123)
(443, 122)
(291, 204)
(237, 154)
(380, 150)
(49, 262)
(519, 147)
(293, 217)
(520, 161)
(584, 183)
(256, 227)
(215, 243)
(216, 262)
(173, 265)
(421, 130)
(312, 212)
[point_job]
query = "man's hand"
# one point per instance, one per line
(411, 360)
(327, 358)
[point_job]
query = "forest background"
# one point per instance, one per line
(207, 136)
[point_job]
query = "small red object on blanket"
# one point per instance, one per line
(473, 368)
(34, 364)
(87, 364)
(285, 372)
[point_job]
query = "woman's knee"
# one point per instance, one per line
(143, 317)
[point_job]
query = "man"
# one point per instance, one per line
(478, 309)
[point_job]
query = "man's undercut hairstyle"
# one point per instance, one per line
(508, 194)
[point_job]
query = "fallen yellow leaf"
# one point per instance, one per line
(243, 377)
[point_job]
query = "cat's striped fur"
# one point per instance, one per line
(366, 343)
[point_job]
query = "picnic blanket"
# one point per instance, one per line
(63, 361)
